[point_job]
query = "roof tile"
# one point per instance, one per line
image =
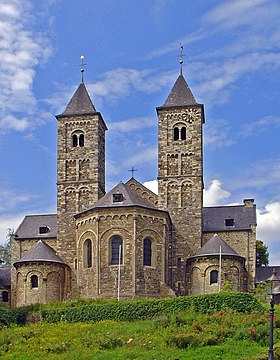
(180, 95)
(80, 103)
(40, 252)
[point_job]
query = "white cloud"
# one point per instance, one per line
(268, 229)
(214, 194)
(152, 185)
(274, 257)
(260, 174)
(129, 125)
(259, 126)
(215, 80)
(218, 134)
(21, 50)
(142, 157)
(232, 14)
(9, 200)
(269, 223)
(9, 222)
(121, 82)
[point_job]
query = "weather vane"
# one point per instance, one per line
(82, 57)
(181, 58)
(132, 171)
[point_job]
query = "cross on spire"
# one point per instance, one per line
(132, 171)
(82, 57)
(181, 58)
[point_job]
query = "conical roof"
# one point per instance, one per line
(180, 95)
(80, 103)
(214, 246)
(40, 252)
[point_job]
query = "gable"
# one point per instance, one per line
(144, 192)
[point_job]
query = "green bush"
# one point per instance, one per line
(146, 309)
(10, 316)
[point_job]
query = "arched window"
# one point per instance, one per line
(176, 134)
(147, 252)
(34, 281)
(5, 296)
(74, 140)
(81, 140)
(213, 277)
(183, 133)
(78, 139)
(116, 250)
(88, 253)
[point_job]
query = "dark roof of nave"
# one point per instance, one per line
(129, 198)
(214, 246)
(264, 272)
(214, 218)
(180, 95)
(5, 276)
(40, 252)
(29, 227)
(80, 103)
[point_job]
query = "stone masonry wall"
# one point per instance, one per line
(133, 225)
(51, 283)
(244, 243)
(80, 179)
(199, 274)
(180, 181)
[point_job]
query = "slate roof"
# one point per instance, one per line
(5, 276)
(40, 252)
(264, 272)
(213, 246)
(130, 198)
(214, 218)
(29, 227)
(80, 103)
(180, 95)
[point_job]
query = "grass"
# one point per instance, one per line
(223, 335)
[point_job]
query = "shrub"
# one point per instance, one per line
(10, 316)
(146, 309)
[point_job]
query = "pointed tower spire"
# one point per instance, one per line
(181, 94)
(80, 103)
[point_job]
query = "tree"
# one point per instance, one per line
(262, 254)
(5, 250)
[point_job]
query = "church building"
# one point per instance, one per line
(131, 242)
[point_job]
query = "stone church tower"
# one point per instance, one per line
(131, 242)
(180, 174)
(80, 168)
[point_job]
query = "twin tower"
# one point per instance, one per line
(130, 242)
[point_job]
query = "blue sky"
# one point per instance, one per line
(131, 48)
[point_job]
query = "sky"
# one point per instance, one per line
(131, 49)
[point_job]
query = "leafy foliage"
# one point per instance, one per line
(147, 309)
(262, 255)
(225, 334)
(10, 316)
(5, 250)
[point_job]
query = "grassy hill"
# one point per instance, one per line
(187, 334)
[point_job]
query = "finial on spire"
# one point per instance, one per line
(132, 171)
(82, 57)
(181, 58)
